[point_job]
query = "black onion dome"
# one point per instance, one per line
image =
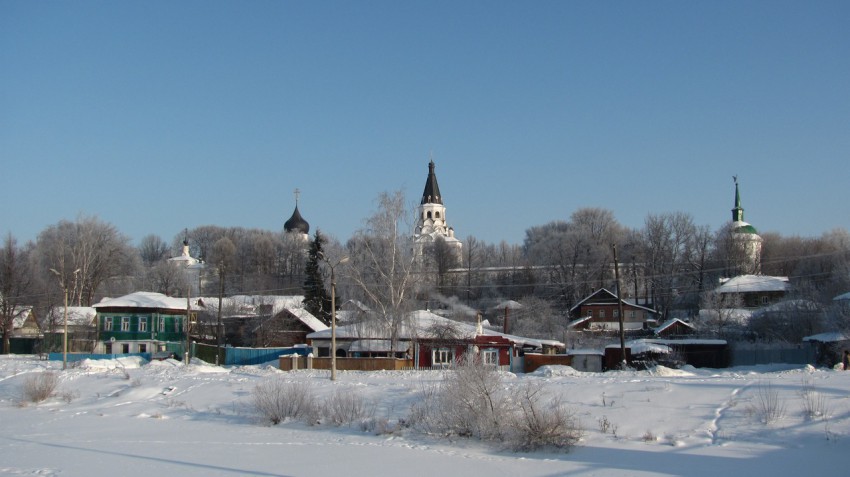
(296, 223)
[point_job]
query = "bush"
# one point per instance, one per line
(470, 402)
(539, 421)
(38, 387)
(344, 407)
(766, 406)
(276, 400)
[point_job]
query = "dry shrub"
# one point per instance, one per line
(39, 387)
(276, 400)
(540, 421)
(345, 407)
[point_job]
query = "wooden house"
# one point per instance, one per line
(430, 340)
(141, 322)
(600, 311)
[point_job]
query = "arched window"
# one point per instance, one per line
(438, 214)
(429, 214)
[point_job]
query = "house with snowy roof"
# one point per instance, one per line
(24, 323)
(142, 322)
(262, 321)
(430, 340)
(82, 329)
(600, 311)
(753, 291)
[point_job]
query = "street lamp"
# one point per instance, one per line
(332, 266)
(64, 287)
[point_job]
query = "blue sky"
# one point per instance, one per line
(157, 116)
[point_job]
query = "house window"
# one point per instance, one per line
(601, 313)
(490, 357)
(125, 348)
(177, 325)
(616, 313)
(632, 314)
(143, 348)
(442, 357)
(125, 323)
(143, 325)
(764, 300)
(162, 324)
(590, 313)
(107, 323)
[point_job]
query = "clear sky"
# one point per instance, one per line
(159, 115)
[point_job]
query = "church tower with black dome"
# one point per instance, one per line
(431, 218)
(296, 224)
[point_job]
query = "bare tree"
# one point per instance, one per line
(152, 249)
(666, 239)
(85, 254)
(15, 284)
(383, 267)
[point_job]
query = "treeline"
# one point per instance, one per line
(670, 263)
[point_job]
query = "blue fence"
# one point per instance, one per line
(243, 356)
(232, 356)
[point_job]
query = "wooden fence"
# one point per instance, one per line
(288, 363)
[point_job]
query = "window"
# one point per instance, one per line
(764, 300)
(632, 314)
(143, 325)
(108, 348)
(490, 357)
(125, 323)
(107, 323)
(616, 313)
(590, 313)
(162, 324)
(143, 348)
(601, 313)
(437, 214)
(177, 325)
(125, 348)
(442, 357)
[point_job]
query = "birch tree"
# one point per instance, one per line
(383, 267)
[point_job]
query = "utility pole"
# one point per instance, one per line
(624, 362)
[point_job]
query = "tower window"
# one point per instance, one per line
(429, 214)
(438, 214)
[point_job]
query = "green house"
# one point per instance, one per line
(141, 322)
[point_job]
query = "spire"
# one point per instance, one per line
(738, 211)
(431, 195)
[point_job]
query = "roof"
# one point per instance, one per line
(830, 337)
(144, 300)
(77, 315)
(741, 227)
(431, 194)
(669, 323)
(754, 283)
(307, 318)
(843, 296)
(609, 295)
(296, 223)
(420, 325)
(20, 315)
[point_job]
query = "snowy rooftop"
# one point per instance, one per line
(145, 300)
(423, 324)
(77, 315)
(753, 283)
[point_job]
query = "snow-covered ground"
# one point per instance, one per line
(133, 418)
